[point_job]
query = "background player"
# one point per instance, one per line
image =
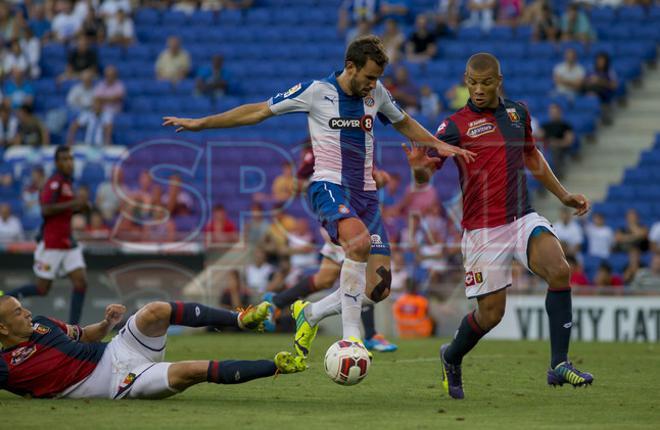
(341, 110)
(329, 270)
(131, 364)
(499, 222)
(57, 252)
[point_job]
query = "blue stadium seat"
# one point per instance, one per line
(174, 18)
(146, 16)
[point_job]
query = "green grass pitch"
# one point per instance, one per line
(504, 382)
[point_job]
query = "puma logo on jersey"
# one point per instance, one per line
(330, 99)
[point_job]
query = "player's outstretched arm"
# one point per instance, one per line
(422, 165)
(416, 133)
(537, 164)
(96, 332)
(247, 114)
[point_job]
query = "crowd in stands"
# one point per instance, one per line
(425, 235)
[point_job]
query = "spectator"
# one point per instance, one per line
(81, 58)
(177, 200)
(569, 232)
(457, 96)
(8, 126)
(31, 131)
(397, 10)
(419, 199)
(354, 11)
(98, 126)
(185, 6)
(545, 24)
(6, 22)
(212, 5)
(66, 23)
(363, 28)
(602, 82)
(421, 46)
(578, 277)
(559, 137)
(654, 237)
(300, 249)
(30, 194)
(11, 229)
(284, 186)
(634, 264)
(393, 40)
(234, 295)
(509, 12)
(81, 96)
(575, 25)
(15, 58)
(400, 275)
(633, 235)
(599, 236)
(429, 102)
(120, 29)
(275, 242)
(38, 22)
(146, 191)
(391, 190)
(482, 14)
(97, 229)
(220, 230)
(110, 8)
(110, 91)
(258, 226)
(173, 63)
(106, 197)
(92, 27)
(405, 91)
(18, 90)
(648, 279)
(238, 4)
(213, 80)
(31, 47)
(448, 16)
(605, 278)
(569, 75)
(258, 273)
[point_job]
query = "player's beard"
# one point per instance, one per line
(356, 89)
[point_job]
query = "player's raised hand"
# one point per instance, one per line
(182, 124)
(418, 157)
(577, 201)
(114, 313)
(447, 150)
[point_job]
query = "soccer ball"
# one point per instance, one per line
(346, 362)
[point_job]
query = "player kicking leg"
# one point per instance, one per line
(131, 364)
(325, 278)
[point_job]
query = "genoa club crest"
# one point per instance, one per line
(513, 114)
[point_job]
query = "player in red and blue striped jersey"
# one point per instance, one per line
(44, 358)
(499, 222)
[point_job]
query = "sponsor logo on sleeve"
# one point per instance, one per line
(40, 329)
(292, 90)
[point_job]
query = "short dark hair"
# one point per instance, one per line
(366, 48)
(482, 62)
(61, 150)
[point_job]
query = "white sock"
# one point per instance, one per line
(327, 306)
(352, 284)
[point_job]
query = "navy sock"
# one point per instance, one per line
(559, 307)
(239, 371)
(197, 315)
(302, 289)
(26, 291)
(368, 321)
(467, 336)
(77, 300)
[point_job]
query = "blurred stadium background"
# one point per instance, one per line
(193, 215)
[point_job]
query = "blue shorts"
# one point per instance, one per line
(332, 203)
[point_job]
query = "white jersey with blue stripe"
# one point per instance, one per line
(341, 128)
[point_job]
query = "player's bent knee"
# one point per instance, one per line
(358, 248)
(559, 274)
(155, 312)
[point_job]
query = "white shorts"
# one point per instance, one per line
(54, 263)
(333, 252)
(489, 252)
(131, 367)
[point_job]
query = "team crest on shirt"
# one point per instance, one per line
(21, 354)
(478, 277)
(513, 114)
(40, 329)
(343, 209)
(292, 90)
(127, 383)
(66, 190)
(369, 101)
(481, 129)
(41, 266)
(473, 278)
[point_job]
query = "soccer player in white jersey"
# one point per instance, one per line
(341, 111)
